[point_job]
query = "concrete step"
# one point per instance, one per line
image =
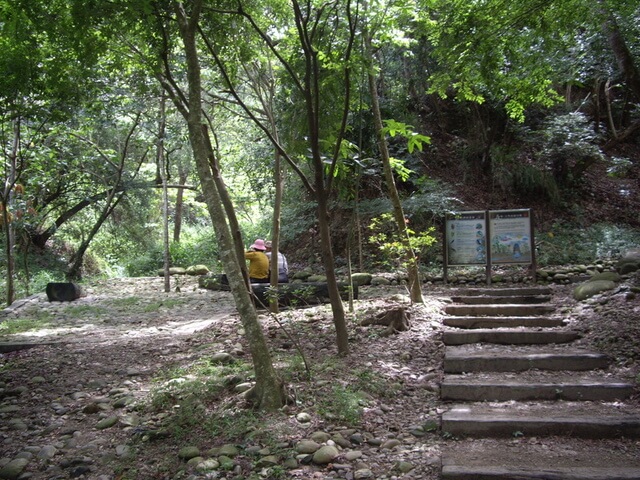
(473, 322)
(536, 386)
(574, 419)
(458, 472)
(489, 358)
(522, 336)
(499, 310)
(499, 300)
(544, 459)
(506, 292)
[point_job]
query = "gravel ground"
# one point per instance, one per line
(84, 402)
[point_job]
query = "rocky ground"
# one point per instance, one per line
(130, 382)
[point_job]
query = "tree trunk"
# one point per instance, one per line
(328, 261)
(621, 51)
(162, 168)
(177, 218)
(7, 197)
(275, 234)
(269, 391)
(415, 285)
(77, 259)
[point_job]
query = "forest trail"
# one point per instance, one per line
(513, 369)
(126, 311)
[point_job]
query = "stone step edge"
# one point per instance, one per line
(501, 300)
(471, 322)
(485, 361)
(461, 389)
(499, 424)
(498, 291)
(509, 337)
(505, 309)
(461, 472)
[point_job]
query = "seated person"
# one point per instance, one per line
(283, 266)
(258, 262)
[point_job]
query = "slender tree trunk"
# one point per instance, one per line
(6, 214)
(328, 261)
(177, 218)
(415, 285)
(275, 234)
(75, 269)
(268, 391)
(162, 167)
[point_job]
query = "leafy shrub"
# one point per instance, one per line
(567, 243)
(197, 246)
(384, 234)
(569, 147)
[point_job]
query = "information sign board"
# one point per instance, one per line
(511, 236)
(466, 235)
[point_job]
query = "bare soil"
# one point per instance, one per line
(127, 337)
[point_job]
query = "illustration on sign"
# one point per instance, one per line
(510, 236)
(466, 239)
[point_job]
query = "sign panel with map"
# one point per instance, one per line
(466, 234)
(511, 236)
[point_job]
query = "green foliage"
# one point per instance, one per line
(513, 174)
(197, 246)
(187, 392)
(297, 219)
(375, 384)
(569, 147)
(414, 139)
(384, 234)
(344, 403)
(567, 243)
(11, 326)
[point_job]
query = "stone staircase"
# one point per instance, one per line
(516, 375)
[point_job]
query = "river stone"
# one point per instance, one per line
(404, 467)
(106, 423)
(390, 444)
(629, 262)
(360, 279)
(173, 271)
(612, 276)
(268, 461)
(222, 357)
(229, 450)
(326, 454)
(9, 409)
(320, 437)
(589, 289)
(195, 461)
(123, 402)
(18, 424)
(243, 387)
(307, 446)
(226, 463)
(13, 469)
(317, 279)
(187, 453)
(47, 452)
(303, 417)
(362, 473)
(352, 455)
(208, 465)
(197, 270)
